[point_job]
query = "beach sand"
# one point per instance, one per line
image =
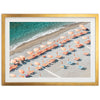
(55, 70)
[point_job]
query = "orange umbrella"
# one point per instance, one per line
(36, 49)
(81, 25)
(84, 37)
(49, 43)
(77, 30)
(49, 56)
(85, 32)
(21, 71)
(43, 46)
(12, 75)
(30, 52)
(77, 42)
(62, 37)
(13, 61)
(37, 63)
(70, 32)
(22, 57)
(63, 48)
(18, 59)
(84, 28)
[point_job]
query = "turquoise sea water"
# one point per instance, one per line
(21, 32)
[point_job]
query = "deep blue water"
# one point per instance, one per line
(23, 31)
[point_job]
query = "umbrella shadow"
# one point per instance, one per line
(74, 50)
(19, 66)
(73, 64)
(88, 55)
(23, 62)
(81, 47)
(27, 60)
(55, 61)
(69, 41)
(83, 68)
(69, 53)
(89, 43)
(79, 60)
(62, 58)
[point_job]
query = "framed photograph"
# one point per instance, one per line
(50, 49)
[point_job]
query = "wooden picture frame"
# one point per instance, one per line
(50, 16)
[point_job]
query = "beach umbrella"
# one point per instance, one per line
(30, 52)
(12, 75)
(22, 57)
(70, 32)
(21, 71)
(81, 25)
(22, 76)
(37, 63)
(63, 48)
(84, 28)
(84, 37)
(49, 43)
(77, 42)
(42, 46)
(49, 56)
(62, 37)
(77, 30)
(13, 61)
(85, 32)
(36, 49)
(18, 59)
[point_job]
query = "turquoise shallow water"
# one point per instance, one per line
(21, 32)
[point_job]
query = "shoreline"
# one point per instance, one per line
(41, 39)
